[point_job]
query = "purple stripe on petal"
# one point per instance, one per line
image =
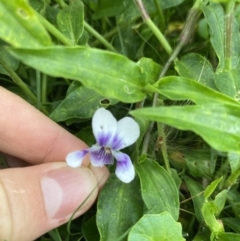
(127, 133)
(125, 169)
(101, 157)
(116, 143)
(103, 139)
(104, 126)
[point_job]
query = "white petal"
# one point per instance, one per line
(104, 126)
(127, 133)
(75, 159)
(125, 169)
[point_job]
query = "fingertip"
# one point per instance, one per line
(65, 189)
(41, 198)
(101, 174)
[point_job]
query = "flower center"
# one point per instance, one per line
(107, 150)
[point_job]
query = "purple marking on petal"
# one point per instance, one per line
(103, 139)
(101, 157)
(125, 169)
(116, 143)
(104, 126)
(123, 164)
(127, 133)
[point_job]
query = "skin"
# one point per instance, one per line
(34, 145)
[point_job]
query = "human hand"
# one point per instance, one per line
(40, 197)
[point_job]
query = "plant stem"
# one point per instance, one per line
(163, 145)
(160, 126)
(54, 31)
(98, 36)
(168, 49)
(160, 14)
(159, 36)
(185, 35)
(153, 27)
(17, 80)
(44, 88)
(38, 80)
(142, 9)
(228, 34)
(23, 86)
(61, 3)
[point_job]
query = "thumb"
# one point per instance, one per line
(39, 198)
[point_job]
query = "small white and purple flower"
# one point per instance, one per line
(111, 136)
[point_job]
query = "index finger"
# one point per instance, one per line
(29, 135)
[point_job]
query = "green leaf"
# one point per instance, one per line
(151, 68)
(224, 32)
(156, 227)
(196, 67)
(132, 12)
(109, 74)
(39, 5)
(81, 104)
(211, 187)
(176, 178)
(225, 82)
(143, 125)
(159, 190)
(84, 38)
(196, 191)
(20, 27)
(234, 201)
(220, 201)
(217, 124)
(214, 14)
(86, 135)
(234, 161)
(9, 59)
(208, 211)
(233, 223)
(202, 234)
(128, 9)
(228, 237)
(234, 42)
(225, 40)
(51, 14)
(199, 163)
(203, 29)
(119, 207)
(213, 208)
(179, 88)
(89, 229)
(108, 8)
(235, 73)
(70, 21)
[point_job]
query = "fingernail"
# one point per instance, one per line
(65, 189)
